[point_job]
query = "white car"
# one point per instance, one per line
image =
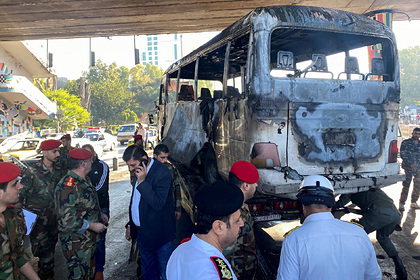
(107, 141)
(24, 149)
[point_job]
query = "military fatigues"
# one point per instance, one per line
(243, 255)
(64, 158)
(37, 196)
(410, 153)
(77, 205)
(12, 256)
(379, 213)
(177, 182)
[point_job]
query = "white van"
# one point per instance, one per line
(126, 132)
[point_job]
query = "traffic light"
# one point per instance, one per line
(92, 59)
(50, 60)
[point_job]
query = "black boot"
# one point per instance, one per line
(399, 268)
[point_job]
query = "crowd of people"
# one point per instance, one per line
(67, 190)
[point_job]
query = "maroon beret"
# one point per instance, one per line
(137, 136)
(80, 153)
(8, 172)
(245, 171)
(65, 136)
(49, 144)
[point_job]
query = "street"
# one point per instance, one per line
(117, 248)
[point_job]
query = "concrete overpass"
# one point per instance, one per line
(53, 19)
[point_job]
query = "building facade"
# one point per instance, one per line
(20, 101)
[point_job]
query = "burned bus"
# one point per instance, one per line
(295, 90)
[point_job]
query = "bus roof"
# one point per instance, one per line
(301, 17)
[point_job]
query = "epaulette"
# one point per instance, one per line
(356, 223)
(69, 182)
(222, 268)
(290, 231)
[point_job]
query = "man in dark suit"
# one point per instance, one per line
(152, 219)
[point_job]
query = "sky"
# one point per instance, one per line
(71, 56)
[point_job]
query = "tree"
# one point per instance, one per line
(144, 84)
(127, 116)
(410, 76)
(73, 87)
(73, 113)
(109, 91)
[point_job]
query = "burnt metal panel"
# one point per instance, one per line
(338, 133)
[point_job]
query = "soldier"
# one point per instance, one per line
(12, 227)
(39, 181)
(161, 153)
(99, 176)
(243, 255)
(64, 151)
(410, 154)
(217, 226)
(379, 213)
(79, 216)
(138, 140)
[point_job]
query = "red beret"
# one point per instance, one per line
(80, 153)
(245, 171)
(65, 136)
(49, 144)
(8, 172)
(137, 136)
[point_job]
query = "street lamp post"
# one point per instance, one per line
(58, 115)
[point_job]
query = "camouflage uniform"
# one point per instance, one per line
(177, 182)
(77, 205)
(12, 256)
(37, 196)
(243, 255)
(410, 153)
(64, 157)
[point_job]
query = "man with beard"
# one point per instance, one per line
(217, 221)
(13, 260)
(39, 181)
(151, 212)
(64, 151)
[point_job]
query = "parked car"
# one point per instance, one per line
(24, 149)
(151, 138)
(106, 140)
(8, 143)
(126, 132)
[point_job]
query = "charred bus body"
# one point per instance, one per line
(282, 88)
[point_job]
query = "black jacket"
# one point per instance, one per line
(99, 175)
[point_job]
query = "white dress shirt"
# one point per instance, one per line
(191, 260)
(327, 248)
(135, 215)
